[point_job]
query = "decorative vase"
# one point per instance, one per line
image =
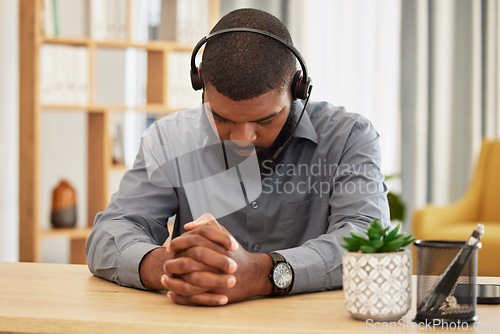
(377, 286)
(63, 214)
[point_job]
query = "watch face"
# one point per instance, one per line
(282, 275)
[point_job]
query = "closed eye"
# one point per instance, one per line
(220, 119)
(264, 123)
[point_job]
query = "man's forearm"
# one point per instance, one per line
(151, 268)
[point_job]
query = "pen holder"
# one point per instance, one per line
(433, 261)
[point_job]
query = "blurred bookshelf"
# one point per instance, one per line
(117, 65)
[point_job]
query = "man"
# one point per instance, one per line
(262, 194)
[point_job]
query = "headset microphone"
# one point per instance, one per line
(301, 83)
(282, 147)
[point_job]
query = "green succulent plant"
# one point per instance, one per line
(377, 240)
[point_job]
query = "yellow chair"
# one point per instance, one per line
(480, 204)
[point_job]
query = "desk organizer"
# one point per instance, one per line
(433, 261)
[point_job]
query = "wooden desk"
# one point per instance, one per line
(59, 298)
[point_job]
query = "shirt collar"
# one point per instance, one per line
(306, 128)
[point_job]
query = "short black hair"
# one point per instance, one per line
(244, 65)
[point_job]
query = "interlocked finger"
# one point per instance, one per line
(180, 286)
(185, 265)
(210, 280)
(211, 258)
(191, 239)
(207, 299)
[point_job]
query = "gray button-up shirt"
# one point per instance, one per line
(328, 184)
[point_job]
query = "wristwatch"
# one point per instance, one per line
(281, 275)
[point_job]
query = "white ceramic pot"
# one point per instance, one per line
(377, 286)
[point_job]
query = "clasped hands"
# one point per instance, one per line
(207, 266)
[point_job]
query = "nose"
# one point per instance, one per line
(243, 133)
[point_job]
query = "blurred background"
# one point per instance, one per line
(425, 72)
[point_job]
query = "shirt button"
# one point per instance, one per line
(256, 247)
(255, 205)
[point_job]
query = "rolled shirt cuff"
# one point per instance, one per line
(129, 262)
(310, 271)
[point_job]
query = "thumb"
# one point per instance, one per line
(208, 219)
(205, 219)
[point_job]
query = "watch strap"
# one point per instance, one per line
(278, 258)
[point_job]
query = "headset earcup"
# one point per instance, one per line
(300, 86)
(196, 81)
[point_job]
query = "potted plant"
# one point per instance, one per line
(377, 273)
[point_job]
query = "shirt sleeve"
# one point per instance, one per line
(358, 196)
(134, 224)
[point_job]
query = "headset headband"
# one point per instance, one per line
(301, 88)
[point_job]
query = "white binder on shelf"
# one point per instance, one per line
(81, 76)
(98, 24)
(64, 77)
(46, 84)
(69, 74)
(180, 93)
(48, 18)
(57, 79)
(139, 21)
(192, 20)
(72, 18)
(121, 19)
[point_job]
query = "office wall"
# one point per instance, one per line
(352, 50)
(9, 143)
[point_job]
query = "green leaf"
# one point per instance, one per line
(368, 249)
(349, 247)
(408, 240)
(375, 232)
(360, 237)
(378, 244)
(394, 244)
(352, 241)
(385, 230)
(376, 225)
(392, 234)
(374, 235)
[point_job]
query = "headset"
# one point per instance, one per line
(301, 83)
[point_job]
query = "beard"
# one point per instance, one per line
(265, 155)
